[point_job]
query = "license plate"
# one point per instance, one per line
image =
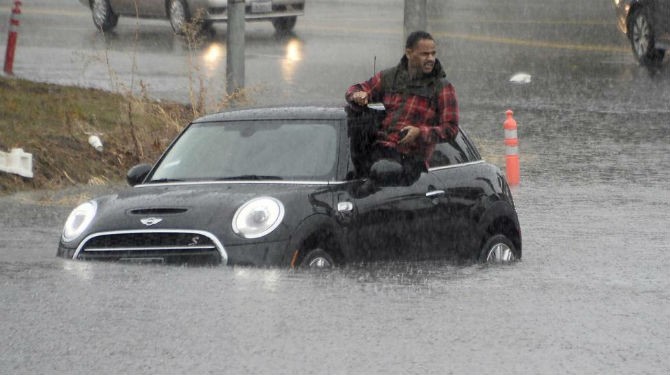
(261, 6)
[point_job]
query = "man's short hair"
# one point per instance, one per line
(415, 37)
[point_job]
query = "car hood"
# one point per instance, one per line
(202, 207)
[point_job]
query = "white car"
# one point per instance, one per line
(282, 13)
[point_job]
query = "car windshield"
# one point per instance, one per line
(252, 150)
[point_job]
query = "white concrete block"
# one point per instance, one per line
(17, 161)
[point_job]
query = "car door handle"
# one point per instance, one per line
(435, 193)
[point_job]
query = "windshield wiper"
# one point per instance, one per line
(249, 177)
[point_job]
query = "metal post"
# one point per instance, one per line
(415, 16)
(235, 47)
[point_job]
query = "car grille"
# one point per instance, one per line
(150, 244)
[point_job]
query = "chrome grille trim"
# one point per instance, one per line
(241, 182)
(103, 249)
(216, 243)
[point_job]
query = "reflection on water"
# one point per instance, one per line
(170, 64)
(359, 281)
(81, 270)
(269, 279)
(212, 55)
(291, 59)
(212, 58)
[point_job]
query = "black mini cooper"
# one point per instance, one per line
(293, 187)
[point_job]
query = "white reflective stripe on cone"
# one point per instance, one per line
(512, 150)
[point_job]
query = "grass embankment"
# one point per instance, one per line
(54, 122)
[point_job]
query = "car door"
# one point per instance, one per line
(140, 8)
(663, 21)
(153, 8)
(394, 222)
(456, 164)
(124, 7)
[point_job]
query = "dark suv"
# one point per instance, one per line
(647, 25)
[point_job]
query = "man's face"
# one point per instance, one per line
(421, 58)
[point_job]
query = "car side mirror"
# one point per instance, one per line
(386, 172)
(137, 174)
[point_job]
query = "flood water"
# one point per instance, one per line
(591, 295)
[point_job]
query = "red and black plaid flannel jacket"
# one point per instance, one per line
(413, 102)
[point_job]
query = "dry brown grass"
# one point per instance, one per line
(54, 122)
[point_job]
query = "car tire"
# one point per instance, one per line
(498, 249)
(317, 259)
(642, 39)
(179, 16)
(104, 18)
(284, 25)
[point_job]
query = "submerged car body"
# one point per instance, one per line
(646, 23)
(286, 187)
(282, 13)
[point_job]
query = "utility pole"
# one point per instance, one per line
(235, 47)
(415, 16)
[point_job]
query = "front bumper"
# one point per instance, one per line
(262, 254)
(174, 246)
(218, 10)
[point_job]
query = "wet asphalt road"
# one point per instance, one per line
(591, 295)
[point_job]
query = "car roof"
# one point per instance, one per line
(276, 113)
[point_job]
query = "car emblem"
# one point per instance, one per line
(149, 221)
(194, 241)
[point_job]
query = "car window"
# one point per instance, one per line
(468, 147)
(456, 151)
(287, 150)
(362, 131)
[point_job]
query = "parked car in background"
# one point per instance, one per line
(647, 25)
(294, 187)
(282, 13)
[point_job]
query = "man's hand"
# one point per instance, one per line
(360, 98)
(411, 133)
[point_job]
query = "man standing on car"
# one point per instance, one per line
(421, 105)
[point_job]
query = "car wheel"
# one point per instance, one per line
(642, 39)
(284, 24)
(498, 249)
(179, 16)
(103, 16)
(317, 259)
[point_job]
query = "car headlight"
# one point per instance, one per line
(258, 217)
(80, 218)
